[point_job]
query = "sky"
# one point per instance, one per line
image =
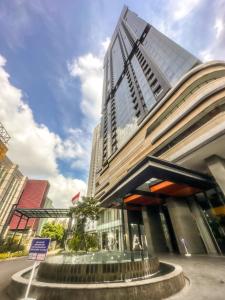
(51, 59)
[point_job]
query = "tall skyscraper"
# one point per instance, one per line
(140, 67)
(162, 142)
(94, 162)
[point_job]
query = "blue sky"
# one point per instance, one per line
(51, 54)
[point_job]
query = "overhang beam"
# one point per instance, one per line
(152, 167)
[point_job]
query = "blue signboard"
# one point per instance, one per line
(38, 249)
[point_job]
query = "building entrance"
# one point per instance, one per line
(179, 207)
(198, 220)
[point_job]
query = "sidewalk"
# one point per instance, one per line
(206, 275)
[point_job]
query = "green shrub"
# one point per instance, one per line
(10, 246)
(83, 242)
(14, 254)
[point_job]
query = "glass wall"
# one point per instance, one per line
(172, 60)
(125, 113)
(137, 234)
(212, 204)
(149, 98)
(117, 60)
(109, 228)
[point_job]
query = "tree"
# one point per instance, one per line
(53, 231)
(86, 210)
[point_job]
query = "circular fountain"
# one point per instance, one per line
(103, 275)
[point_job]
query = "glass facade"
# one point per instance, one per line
(136, 24)
(117, 60)
(125, 113)
(212, 204)
(172, 60)
(147, 93)
(136, 231)
(126, 41)
(109, 228)
(140, 66)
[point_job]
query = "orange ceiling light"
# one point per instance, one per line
(174, 189)
(141, 200)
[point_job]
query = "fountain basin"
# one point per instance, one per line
(167, 281)
(61, 269)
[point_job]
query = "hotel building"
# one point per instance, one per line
(162, 142)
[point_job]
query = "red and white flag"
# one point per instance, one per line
(76, 198)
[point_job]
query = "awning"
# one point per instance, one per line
(152, 167)
(43, 212)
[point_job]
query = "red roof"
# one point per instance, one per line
(33, 196)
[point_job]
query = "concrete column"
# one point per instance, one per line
(216, 166)
(153, 230)
(184, 226)
(147, 230)
(126, 232)
(203, 228)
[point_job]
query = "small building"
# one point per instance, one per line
(12, 183)
(34, 196)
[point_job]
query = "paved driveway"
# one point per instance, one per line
(206, 275)
(7, 269)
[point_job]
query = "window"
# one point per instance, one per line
(154, 82)
(158, 90)
(114, 134)
(143, 64)
(151, 76)
(134, 100)
(138, 114)
(114, 141)
(148, 72)
(133, 94)
(145, 68)
(113, 122)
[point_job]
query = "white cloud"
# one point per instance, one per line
(89, 69)
(76, 148)
(35, 148)
(105, 44)
(172, 17)
(219, 27)
(215, 49)
(181, 9)
(64, 188)
(197, 25)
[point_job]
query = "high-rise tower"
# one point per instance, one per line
(93, 162)
(162, 141)
(140, 67)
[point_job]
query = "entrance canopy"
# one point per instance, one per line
(43, 212)
(151, 167)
